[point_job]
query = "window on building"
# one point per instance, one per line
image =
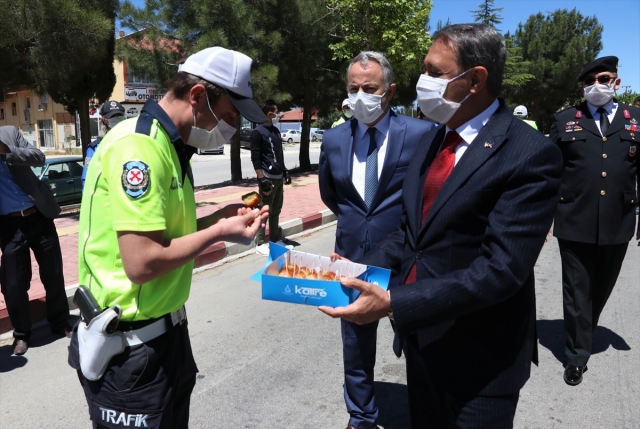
(134, 78)
(28, 103)
(45, 134)
(14, 109)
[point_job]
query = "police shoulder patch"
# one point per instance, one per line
(135, 178)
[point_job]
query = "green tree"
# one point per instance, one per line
(627, 96)
(516, 73)
(397, 28)
(487, 13)
(558, 46)
(63, 48)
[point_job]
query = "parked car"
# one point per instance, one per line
(62, 176)
(291, 136)
(317, 135)
(245, 138)
(132, 112)
(215, 151)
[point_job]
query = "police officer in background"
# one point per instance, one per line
(140, 237)
(347, 114)
(522, 113)
(595, 217)
(111, 113)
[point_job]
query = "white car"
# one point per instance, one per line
(291, 136)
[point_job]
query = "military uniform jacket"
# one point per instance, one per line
(597, 196)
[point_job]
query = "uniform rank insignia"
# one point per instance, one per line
(631, 127)
(578, 114)
(632, 151)
(633, 121)
(135, 178)
(627, 115)
(577, 128)
(568, 129)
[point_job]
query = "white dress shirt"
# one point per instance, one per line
(361, 148)
(470, 129)
(610, 108)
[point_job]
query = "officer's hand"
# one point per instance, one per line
(265, 185)
(243, 228)
(287, 179)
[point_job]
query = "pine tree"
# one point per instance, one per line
(487, 13)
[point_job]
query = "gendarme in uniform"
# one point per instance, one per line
(596, 213)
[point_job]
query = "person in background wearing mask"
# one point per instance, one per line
(477, 203)
(595, 218)
(347, 114)
(636, 102)
(111, 113)
(140, 236)
(361, 169)
(268, 161)
(521, 112)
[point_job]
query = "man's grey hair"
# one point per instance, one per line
(365, 56)
(477, 45)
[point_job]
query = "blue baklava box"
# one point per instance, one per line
(313, 290)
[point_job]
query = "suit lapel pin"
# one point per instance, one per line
(578, 114)
(627, 115)
(488, 145)
(632, 151)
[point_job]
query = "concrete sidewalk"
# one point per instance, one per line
(302, 210)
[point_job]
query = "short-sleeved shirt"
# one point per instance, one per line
(135, 184)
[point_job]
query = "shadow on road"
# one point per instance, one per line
(551, 336)
(393, 404)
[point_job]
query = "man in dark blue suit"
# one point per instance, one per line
(478, 200)
(362, 166)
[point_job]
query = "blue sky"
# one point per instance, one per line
(620, 19)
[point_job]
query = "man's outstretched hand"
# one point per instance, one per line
(372, 304)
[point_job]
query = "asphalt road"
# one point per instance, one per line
(211, 169)
(272, 365)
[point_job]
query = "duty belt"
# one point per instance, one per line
(155, 329)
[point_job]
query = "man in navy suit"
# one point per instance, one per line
(478, 200)
(362, 166)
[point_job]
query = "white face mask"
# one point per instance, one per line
(366, 107)
(219, 135)
(599, 94)
(431, 98)
(275, 120)
(348, 113)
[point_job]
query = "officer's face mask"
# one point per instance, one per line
(115, 120)
(600, 94)
(275, 119)
(216, 137)
(366, 107)
(431, 98)
(348, 113)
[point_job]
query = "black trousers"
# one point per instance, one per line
(38, 233)
(148, 385)
(589, 273)
(434, 407)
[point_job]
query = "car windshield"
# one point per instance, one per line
(37, 170)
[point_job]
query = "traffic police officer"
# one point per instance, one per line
(111, 113)
(595, 217)
(347, 113)
(139, 235)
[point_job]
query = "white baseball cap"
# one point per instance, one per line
(345, 102)
(230, 70)
(520, 111)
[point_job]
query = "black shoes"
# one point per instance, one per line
(20, 347)
(573, 374)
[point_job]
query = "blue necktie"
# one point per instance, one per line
(371, 171)
(370, 177)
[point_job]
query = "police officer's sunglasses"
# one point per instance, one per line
(604, 79)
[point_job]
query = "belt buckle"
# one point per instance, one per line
(22, 213)
(179, 316)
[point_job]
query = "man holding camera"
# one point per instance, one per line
(268, 161)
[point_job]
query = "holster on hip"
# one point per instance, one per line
(96, 346)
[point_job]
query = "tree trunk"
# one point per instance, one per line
(236, 164)
(85, 129)
(307, 111)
